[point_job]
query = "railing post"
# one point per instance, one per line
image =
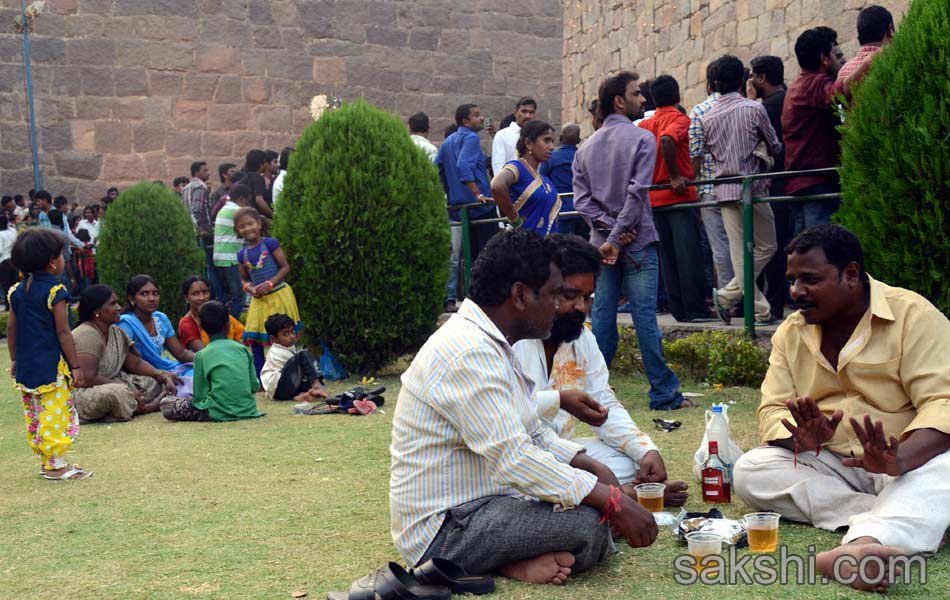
(748, 259)
(466, 251)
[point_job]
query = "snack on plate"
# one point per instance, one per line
(732, 532)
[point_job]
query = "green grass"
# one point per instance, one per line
(246, 510)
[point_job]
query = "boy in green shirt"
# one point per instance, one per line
(225, 381)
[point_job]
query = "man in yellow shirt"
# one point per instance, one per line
(854, 412)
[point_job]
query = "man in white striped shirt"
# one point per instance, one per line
(476, 478)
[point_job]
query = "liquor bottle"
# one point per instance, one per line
(717, 482)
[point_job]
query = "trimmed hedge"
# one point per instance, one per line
(715, 357)
(362, 220)
(895, 173)
(147, 230)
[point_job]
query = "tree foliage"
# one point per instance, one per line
(896, 157)
(147, 230)
(363, 222)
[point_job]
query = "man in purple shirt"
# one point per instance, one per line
(738, 135)
(612, 172)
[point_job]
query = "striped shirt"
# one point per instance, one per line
(465, 428)
(226, 242)
(732, 129)
(696, 137)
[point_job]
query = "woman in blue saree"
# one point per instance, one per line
(527, 198)
(152, 333)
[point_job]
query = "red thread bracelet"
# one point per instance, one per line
(612, 505)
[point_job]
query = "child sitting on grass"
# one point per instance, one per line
(225, 382)
(288, 373)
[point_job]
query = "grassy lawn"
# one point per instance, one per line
(264, 508)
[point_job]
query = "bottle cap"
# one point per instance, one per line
(717, 408)
(713, 447)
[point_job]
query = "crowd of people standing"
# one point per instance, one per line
(750, 123)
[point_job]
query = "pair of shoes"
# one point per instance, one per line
(450, 306)
(724, 314)
(436, 579)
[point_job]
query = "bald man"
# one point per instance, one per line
(558, 170)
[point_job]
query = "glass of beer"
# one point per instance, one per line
(650, 496)
(763, 531)
(700, 545)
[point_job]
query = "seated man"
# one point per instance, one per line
(876, 354)
(476, 479)
(571, 378)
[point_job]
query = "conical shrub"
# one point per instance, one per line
(147, 230)
(363, 222)
(895, 160)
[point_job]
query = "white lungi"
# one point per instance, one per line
(910, 512)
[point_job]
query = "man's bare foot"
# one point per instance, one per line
(868, 576)
(303, 397)
(553, 568)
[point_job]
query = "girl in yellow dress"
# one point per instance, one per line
(38, 334)
(264, 268)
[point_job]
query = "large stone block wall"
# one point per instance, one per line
(133, 89)
(680, 37)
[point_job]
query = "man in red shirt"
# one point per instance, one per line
(810, 120)
(681, 259)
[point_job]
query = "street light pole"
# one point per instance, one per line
(29, 95)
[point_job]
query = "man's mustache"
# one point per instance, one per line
(803, 304)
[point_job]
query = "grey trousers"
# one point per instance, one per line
(486, 534)
(718, 241)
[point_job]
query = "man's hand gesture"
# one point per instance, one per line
(813, 428)
(880, 456)
(584, 408)
(652, 469)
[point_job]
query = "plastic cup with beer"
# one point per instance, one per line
(762, 528)
(650, 496)
(701, 544)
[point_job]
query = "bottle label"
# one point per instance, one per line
(715, 486)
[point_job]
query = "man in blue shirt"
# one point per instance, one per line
(558, 170)
(463, 170)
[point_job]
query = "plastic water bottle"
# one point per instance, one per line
(717, 430)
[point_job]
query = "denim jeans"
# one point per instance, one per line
(231, 292)
(636, 274)
(819, 212)
(451, 287)
(718, 241)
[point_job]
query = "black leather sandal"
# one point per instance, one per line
(440, 571)
(391, 582)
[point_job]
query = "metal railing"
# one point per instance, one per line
(746, 199)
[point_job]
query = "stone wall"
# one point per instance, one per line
(680, 37)
(133, 89)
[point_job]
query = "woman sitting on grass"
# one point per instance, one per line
(196, 292)
(117, 383)
(152, 332)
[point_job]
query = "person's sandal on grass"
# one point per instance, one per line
(66, 473)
